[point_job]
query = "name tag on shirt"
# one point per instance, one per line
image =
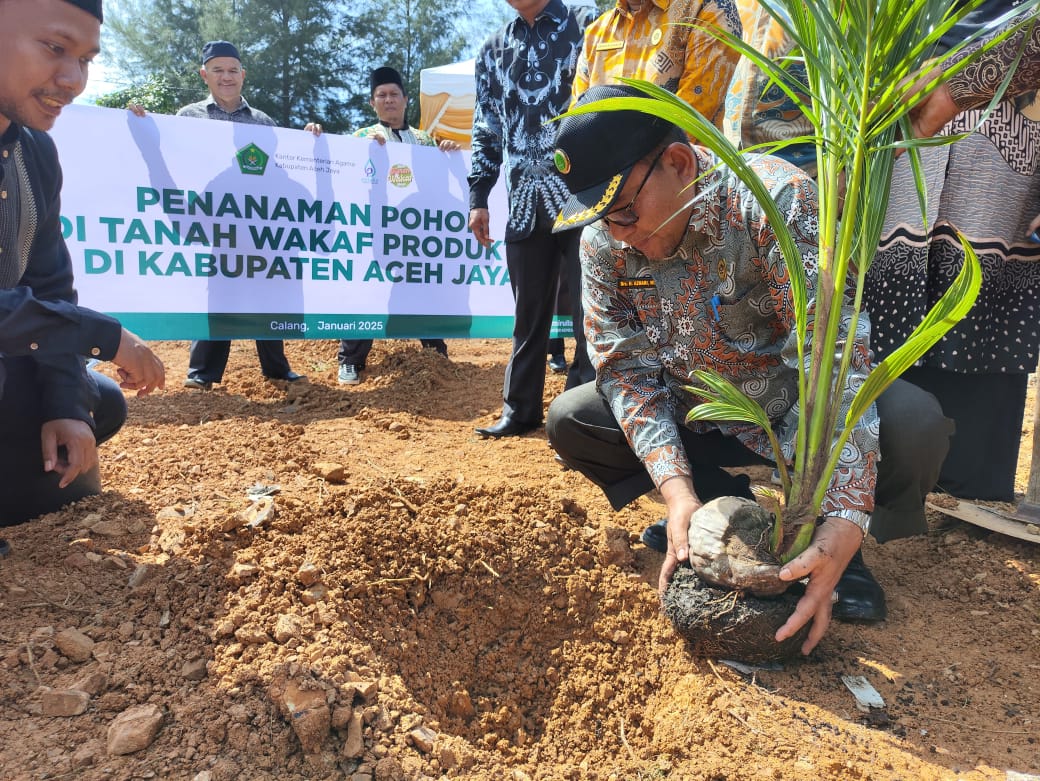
(635, 282)
(609, 46)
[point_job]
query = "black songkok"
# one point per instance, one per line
(384, 75)
(92, 7)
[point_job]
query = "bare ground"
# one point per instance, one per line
(449, 607)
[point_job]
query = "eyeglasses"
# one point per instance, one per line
(626, 216)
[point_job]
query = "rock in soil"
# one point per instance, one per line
(134, 729)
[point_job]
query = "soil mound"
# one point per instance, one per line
(311, 581)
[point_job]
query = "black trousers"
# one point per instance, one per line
(535, 264)
(914, 439)
(27, 491)
(988, 410)
(354, 352)
(208, 359)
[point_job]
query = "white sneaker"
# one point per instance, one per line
(348, 375)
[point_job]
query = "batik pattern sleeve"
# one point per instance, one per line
(978, 82)
(423, 138)
(709, 63)
(486, 141)
(666, 44)
(628, 372)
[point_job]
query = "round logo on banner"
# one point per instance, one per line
(400, 175)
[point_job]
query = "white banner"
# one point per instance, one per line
(192, 229)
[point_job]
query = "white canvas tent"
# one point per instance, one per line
(446, 97)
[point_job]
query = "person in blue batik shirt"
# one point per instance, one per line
(523, 79)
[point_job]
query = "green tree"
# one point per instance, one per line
(147, 40)
(291, 49)
(294, 61)
(408, 35)
(156, 95)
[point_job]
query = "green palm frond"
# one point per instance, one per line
(864, 62)
(955, 303)
(726, 402)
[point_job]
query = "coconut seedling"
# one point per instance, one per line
(862, 66)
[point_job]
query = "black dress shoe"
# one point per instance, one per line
(5, 548)
(859, 596)
(507, 427)
(197, 383)
(655, 536)
(558, 364)
(290, 377)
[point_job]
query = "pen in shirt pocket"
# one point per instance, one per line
(715, 301)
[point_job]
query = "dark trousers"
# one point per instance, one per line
(568, 304)
(580, 370)
(208, 359)
(354, 352)
(27, 491)
(988, 410)
(914, 438)
(535, 264)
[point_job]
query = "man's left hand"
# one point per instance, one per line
(447, 145)
(834, 543)
(80, 448)
(313, 127)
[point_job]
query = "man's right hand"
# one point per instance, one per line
(682, 503)
(139, 368)
(80, 449)
(480, 224)
(136, 109)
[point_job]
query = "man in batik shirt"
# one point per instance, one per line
(523, 80)
(681, 271)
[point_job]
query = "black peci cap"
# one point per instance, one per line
(384, 75)
(219, 49)
(92, 7)
(596, 152)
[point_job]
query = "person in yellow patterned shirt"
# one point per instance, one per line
(658, 41)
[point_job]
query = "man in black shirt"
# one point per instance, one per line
(53, 412)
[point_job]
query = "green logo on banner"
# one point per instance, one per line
(252, 160)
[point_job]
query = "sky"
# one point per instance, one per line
(98, 83)
(104, 77)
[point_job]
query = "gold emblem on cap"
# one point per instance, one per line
(655, 37)
(592, 211)
(562, 162)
